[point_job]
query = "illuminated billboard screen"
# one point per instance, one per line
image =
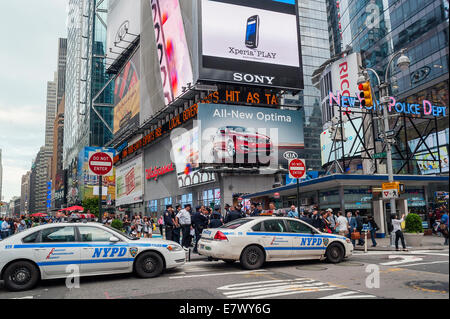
(130, 182)
(429, 162)
(126, 96)
(249, 135)
(185, 152)
(172, 48)
(253, 42)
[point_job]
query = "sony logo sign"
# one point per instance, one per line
(250, 78)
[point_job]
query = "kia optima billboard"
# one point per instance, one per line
(253, 42)
(249, 135)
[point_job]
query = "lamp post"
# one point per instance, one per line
(403, 63)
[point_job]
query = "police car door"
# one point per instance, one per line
(274, 239)
(306, 241)
(99, 254)
(56, 250)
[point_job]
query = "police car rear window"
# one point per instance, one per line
(236, 223)
(31, 238)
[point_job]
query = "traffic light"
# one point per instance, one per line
(365, 94)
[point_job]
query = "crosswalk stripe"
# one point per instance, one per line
(271, 288)
(224, 273)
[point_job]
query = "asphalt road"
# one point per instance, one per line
(415, 274)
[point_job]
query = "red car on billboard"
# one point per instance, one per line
(230, 141)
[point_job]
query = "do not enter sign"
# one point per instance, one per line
(297, 168)
(100, 163)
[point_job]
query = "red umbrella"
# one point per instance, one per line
(38, 215)
(75, 208)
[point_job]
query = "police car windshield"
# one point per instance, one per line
(121, 233)
(236, 223)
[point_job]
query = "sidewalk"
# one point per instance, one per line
(432, 242)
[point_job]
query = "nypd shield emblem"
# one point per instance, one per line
(133, 252)
(325, 242)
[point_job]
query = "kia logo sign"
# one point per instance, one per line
(122, 31)
(290, 155)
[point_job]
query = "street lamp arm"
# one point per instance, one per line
(376, 75)
(386, 77)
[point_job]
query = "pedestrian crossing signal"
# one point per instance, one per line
(365, 94)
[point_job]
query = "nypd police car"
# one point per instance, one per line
(55, 250)
(254, 240)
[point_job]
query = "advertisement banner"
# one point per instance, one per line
(429, 163)
(185, 152)
(87, 180)
(249, 135)
(124, 23)
(250, 42)
(130, 181)
(173, 53)
(328, 152)
(126, 96)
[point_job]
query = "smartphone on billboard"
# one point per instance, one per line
(252, 33)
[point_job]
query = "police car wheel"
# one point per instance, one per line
(335, 253)
(252, 257)
(21, 275)
(149, 265)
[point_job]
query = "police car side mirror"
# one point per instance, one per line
(113, 239)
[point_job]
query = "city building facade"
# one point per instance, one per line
(25, 193)
(1, 175)
(85, 76)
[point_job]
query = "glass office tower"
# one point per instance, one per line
(315, 51)
(85, 76)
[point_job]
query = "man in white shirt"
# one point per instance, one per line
(397, 224)
(342, 225)
(184, 219)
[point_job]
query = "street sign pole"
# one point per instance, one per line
(298, 194)
(100, 182)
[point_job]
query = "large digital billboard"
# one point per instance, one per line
(130, 182)
(186, 155)
(429, 162)
(249, 135)
(253, 42)
(126, 96)
(172, 48)
(124, 23)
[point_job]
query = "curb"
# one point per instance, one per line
(393, 249)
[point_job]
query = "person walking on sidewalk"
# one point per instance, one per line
(359, 227)
(373, 227)
(444, 227)
(397, 224)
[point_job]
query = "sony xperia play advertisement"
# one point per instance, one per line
(251, 42)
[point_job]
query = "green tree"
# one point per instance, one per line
(117, 224)
(92, 205)
(413, 223)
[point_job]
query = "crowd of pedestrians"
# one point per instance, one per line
(185, 226)
(13, 225)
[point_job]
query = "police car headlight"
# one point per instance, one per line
(174, 248)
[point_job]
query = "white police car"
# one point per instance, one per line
(254, 240)
(55, 250)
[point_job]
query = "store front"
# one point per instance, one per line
(356, 192)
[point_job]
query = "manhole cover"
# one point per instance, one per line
(350, 264)
(429, 286)
(312, 267)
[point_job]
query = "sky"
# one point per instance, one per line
(28, 59)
